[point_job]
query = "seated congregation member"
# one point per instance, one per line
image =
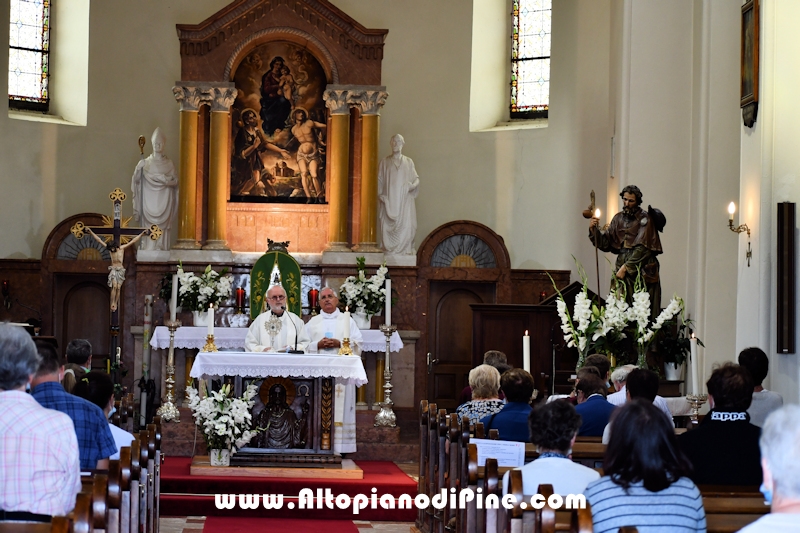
(641, 383)
(780, 460)
(619, 378)
(554, 428)
(95, 442)
(644, 483)
(326, 331)
(484, 382)
(493, 358)
(39, 465)
(723, 449)
(79, 362)
(601, 363)
(595, 411)
(512, 420)
(98, 388)
(764, 402)
(573, 396)
(291, 331)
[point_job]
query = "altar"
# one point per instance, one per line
(295, 405)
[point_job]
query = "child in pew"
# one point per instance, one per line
(98, 389)
(646, 483)
(553, 429)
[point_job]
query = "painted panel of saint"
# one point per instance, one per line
(279, 127)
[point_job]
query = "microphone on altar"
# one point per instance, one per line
(296, 335)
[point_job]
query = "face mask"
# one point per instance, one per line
(28, 388)
(111, 413)
(86, 369)
(767, 494)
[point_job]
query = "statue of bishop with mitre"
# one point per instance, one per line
(155, 192)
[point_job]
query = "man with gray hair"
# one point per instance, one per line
(278, 329)
(780, 464)
(619, 377)
(39, 459)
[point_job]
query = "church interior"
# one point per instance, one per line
(279, 118)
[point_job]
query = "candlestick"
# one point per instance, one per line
(173, 301)
(388, 304)
(346, 322)
(526, 352)
(695, 366)
(168, 411)
(313, 300)
(210, 320)
(209, 346)
(696, 401)
(119, 350)
(386, 416)
(345, 348)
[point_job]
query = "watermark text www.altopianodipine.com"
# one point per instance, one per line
(325, 499)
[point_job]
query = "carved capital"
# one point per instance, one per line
(336, 98)
(368, 100)
(188, 97)
(219, 96)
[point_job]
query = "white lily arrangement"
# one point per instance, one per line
(362, 294)
(599, 329)
(226, 422)
(197, 292)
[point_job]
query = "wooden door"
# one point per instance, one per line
(450, 337)
(82, 311)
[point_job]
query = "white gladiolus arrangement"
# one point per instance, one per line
(362, 294)
(226, 422)
(196, 293)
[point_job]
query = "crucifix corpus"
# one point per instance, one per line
(117, 237)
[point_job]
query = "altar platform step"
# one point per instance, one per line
(184, 494)
(348, 469)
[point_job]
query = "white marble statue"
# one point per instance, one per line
(155, 193)
(398, 186)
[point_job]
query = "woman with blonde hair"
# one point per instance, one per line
(485, 383)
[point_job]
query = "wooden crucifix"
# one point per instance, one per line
(117, 237)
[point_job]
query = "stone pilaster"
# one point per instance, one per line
(336, 98)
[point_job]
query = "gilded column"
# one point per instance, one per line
(370, 101)
(339, 146)
(221, 99)
(189, 99)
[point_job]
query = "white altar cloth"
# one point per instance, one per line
(347, 370)
(191, 337)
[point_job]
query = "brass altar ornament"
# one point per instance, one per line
(168, 410)
(209, 345)
(345, 347)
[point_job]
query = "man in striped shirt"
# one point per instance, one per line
(38, 447)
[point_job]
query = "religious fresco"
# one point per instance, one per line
(279, 127)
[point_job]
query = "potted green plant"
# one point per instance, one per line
(674, 346)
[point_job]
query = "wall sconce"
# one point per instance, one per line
(739, 229)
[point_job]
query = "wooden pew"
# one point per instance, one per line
(424, 450)
(137, 489)
(729, 514)
(547, 519)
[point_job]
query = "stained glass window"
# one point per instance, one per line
(530, 58)
(28, 54)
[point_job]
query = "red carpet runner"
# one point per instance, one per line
(186, 495)
(218, 524)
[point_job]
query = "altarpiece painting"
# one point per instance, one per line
(279, 126)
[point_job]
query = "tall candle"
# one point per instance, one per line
(346, 323)
(526, 352)
(695, 366)
(239, 299)
(173, 301)
(211, 320)
(388, 304)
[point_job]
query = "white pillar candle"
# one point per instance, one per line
(173, 301)
(388, 304)
(526, 352)
(695, 366)
(346, 323)
(211, 319)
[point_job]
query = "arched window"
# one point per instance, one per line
(530, 58)
(29, 55)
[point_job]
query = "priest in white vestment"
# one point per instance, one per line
(276, 330)
(326, 332)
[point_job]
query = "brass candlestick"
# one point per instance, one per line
(168, 411)
(210, 346)
(696, 401)
(386, 416)
(345, 348)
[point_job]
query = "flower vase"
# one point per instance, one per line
(363, 320)
(220, 457)
(673, 371)
(200, 318)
